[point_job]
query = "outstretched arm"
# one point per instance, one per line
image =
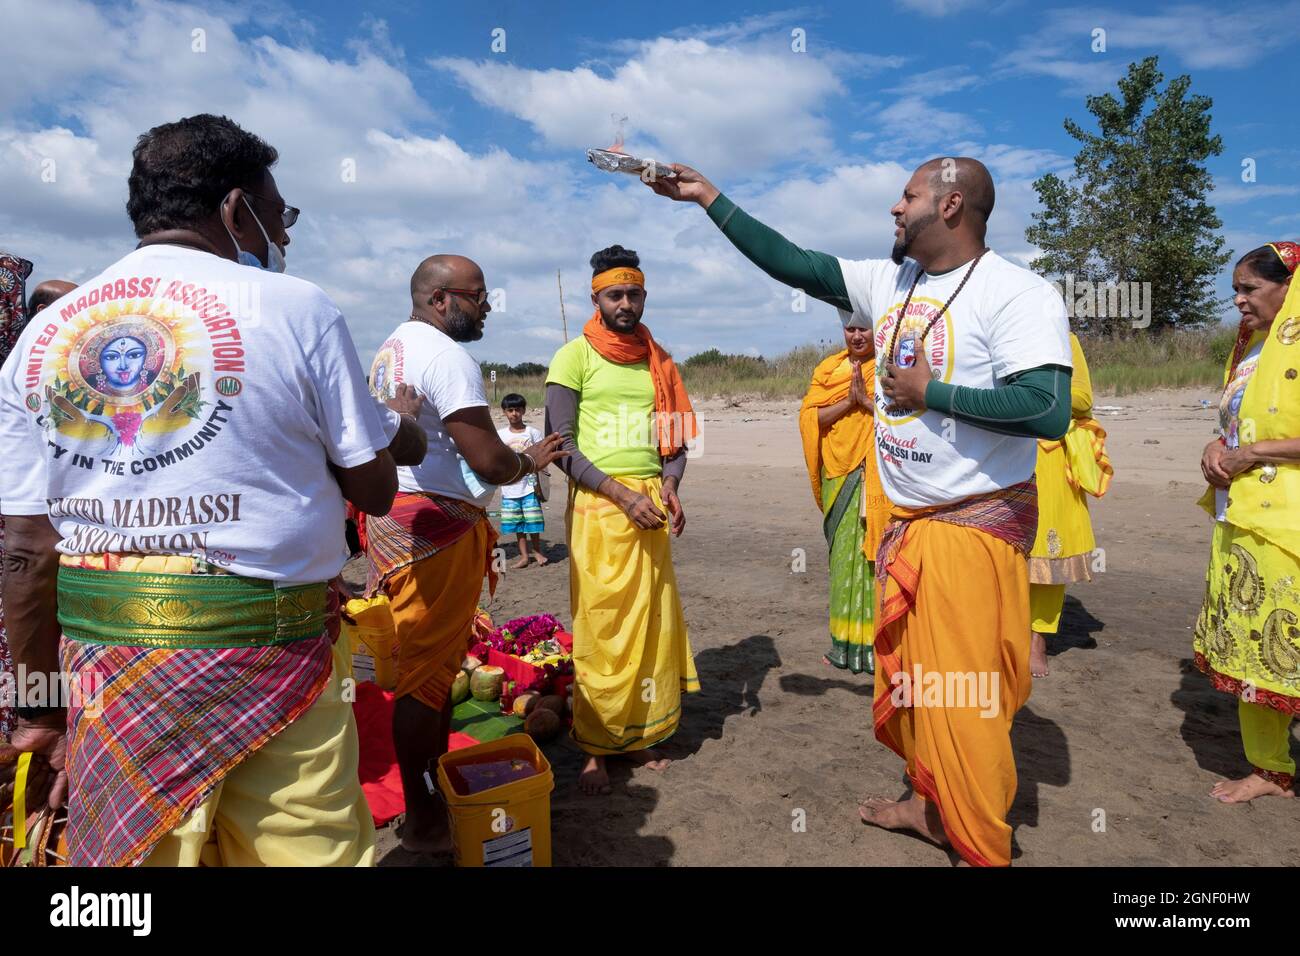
(816, 273)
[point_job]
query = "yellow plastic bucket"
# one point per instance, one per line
(505, 825)
(368, 625)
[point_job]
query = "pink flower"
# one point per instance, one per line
(128, 426)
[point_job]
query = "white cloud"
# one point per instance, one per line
(733, 103)
(935, 8)
(937, 82)
(1247, 192)
(721, 108)
(1198, 35)
(914, 122)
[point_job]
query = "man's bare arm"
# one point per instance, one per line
(30, 592)
(410, 444)
(370, 487)
(476, 438)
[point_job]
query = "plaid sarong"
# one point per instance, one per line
(419, 525)
(181, 678)
(166, 726)
(1010, 514)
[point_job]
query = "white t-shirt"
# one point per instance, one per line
(447, 376)
(518, 441)
(1230, 413)
(181, 403)
(1006, 320)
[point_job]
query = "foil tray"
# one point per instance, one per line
(612, 162)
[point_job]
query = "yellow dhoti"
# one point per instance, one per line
(434, 603)
(296, 801)
(631, 655)
(960, 650)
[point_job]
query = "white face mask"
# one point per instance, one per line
(274, 254)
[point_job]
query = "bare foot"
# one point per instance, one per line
(435, 840)
(594, 779)
(540, 558)
(1247, 788)
(1038, 655)
(520, 564)
(654, 759)
(919, 816)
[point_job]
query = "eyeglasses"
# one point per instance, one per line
(479, 296)
(288, 215)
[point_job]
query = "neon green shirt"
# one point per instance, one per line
(615, 410)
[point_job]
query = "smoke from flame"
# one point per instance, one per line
(619, 123)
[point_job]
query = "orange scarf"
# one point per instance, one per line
(848, 443)
(673, 412)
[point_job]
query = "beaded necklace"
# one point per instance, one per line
(891, 355)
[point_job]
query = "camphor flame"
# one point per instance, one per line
(619, 123)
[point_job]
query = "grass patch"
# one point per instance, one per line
(1135, 363)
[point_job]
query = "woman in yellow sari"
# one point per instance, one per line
(837, 425)
(1247, 639)
(1068, 470)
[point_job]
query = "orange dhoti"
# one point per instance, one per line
(952, 669)
(434, 603)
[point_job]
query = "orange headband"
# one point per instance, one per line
(620, 275)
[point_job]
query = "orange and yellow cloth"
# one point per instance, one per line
(435, 603)
(847, 444)
(953, 607)
(631, 653)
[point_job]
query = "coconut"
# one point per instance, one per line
(471, 664)
(485, 682)
(542, 724)
(524, 703)
(554, 703)
(460, 689)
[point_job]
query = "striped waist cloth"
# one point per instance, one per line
(145, 609)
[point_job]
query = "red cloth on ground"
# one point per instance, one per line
(377, 760)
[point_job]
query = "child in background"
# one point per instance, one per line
(521, 510)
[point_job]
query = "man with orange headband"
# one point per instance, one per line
(618, 400)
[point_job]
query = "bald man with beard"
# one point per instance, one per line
(430, 553)
(975, 365)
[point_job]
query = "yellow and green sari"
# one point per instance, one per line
(842, 469)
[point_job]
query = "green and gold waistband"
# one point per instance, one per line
(186, 610)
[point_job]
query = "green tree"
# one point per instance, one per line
(1135, 209)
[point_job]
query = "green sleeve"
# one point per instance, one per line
(816, 273)
(1034, 403)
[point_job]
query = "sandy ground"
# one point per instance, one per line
(1124, 725)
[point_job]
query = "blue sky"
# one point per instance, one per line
(458, 147)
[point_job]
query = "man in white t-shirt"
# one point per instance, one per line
(975, 366)
(432, 551)
(179, 436)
